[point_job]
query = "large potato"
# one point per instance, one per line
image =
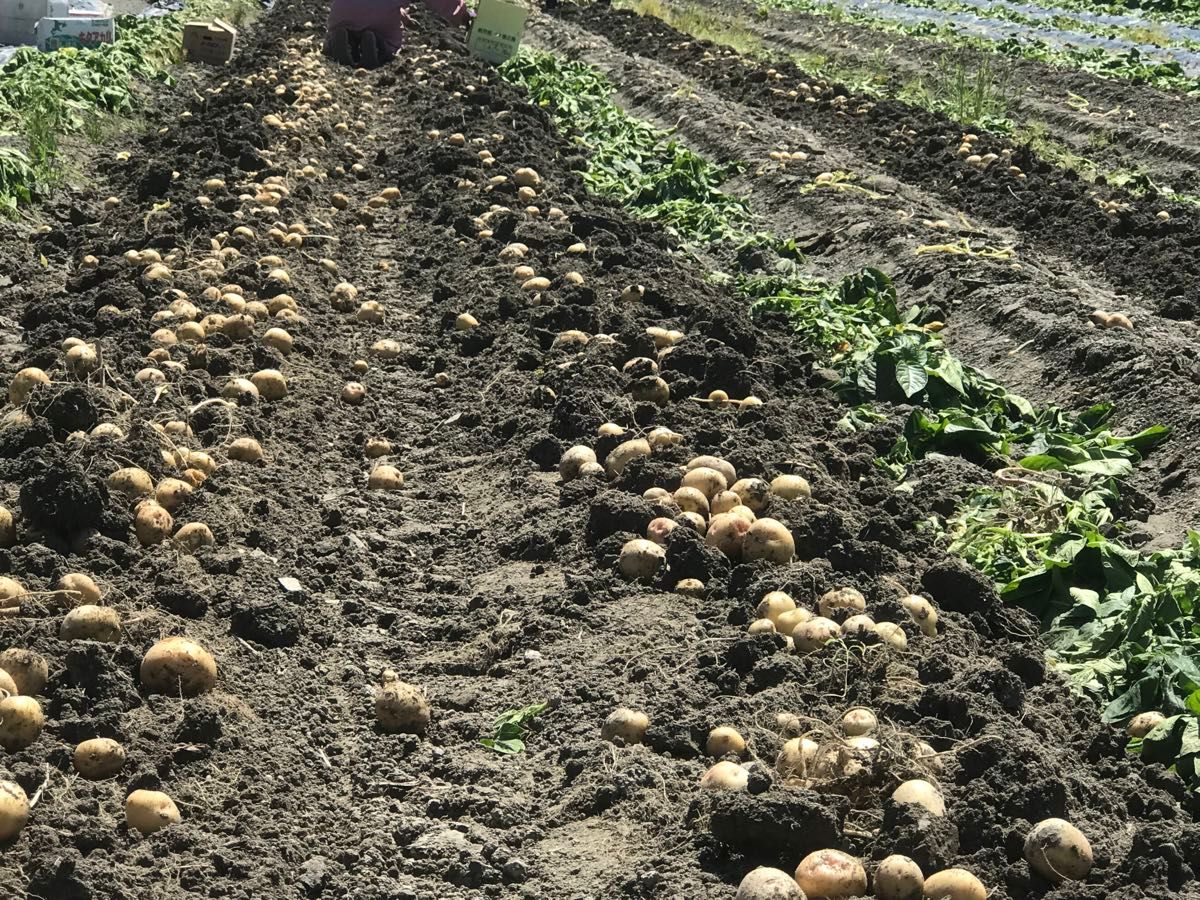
(176, 665)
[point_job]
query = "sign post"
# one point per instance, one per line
(497, 31)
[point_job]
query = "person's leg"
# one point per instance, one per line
(370, 52)
(339, 46)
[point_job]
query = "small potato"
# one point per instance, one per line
(624, 454)
(651, 389)
(131, 483)
(385, 478)
(354, 393)
(465, 322)
(814, 634)
(661, 438)
(839, 599)
(270, 383)
(770, 540)
(659, 530)
(150, 811)
(91, 623)
(790, 487)
(194, 536)
(176, 665)
(788, 621)
(765, 883)
(921, 793)
(7, 685)
(11, 592)
(858, 627)
(708, 481)
(8, 527)
(658, 495)
(1144, 723)
(797, 758)
(694, 521)
(723, 741)
(755, 493)
(240, 389)
(898, 878)
(690, 587)
(245, 449)
(858, 721)
(727, 532)
(774, 604)
(724, 501)
(954, 884)
(21, 722)
(1058, 851)
(171, 493)
(925, 756)
(892, 635)
(27, 669)
(922, 613)
(714, 462)
(152, 524)
(725, 776)
(400, 706)
(831, 875)
(14, 809)
(641, 560)
(628, 725)
(610, 429)
(377, 447)
(690, 499)
(198, 459)
(98, 758)
(761, 626)
(278, 339)
(568, 466)
(24, 383)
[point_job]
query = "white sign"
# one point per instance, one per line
(497, 31)
(54, 34)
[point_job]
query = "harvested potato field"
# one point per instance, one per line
(660, 466)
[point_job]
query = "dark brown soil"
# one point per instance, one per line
(484, 580)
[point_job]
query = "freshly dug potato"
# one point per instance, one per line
(91, 623)
(14, 809)
(924, 755)
(377, 447)
(831, 874)
(610, 429)
(754, 493)
(690, 499)
(245, 449)
(640, 559)
(659, 530)
(152, 524)
(21, 722)
(744, 512)
(724, 501)
(8, 527)
(814, 634)
(892, 635)
(193, 536)
(714, 462)
(624, 454)
(568, 466)
(400, 706)
(98, 758)
(922, 793)
(278, 339)
(270, 383)
(790, 487)
(176, 665)
(724, 740)
(708, 481)
(727, 532)
(954, 884)
(1058, 851)
(694, 521)
(651, 389)
(1144, 723)
(171, 493)
(662, 437)
(858, 721)
(690, 587)
(797, 758)
(846, 598)
(898, 878)
(385, 478)
(11, 592)
(240, 390)
(765, 883)
(131, 483)
(770, 540)
(627, 724)
(354, 393)
(27, 669)
(922, 613)
(725, 776)
(787, 622)
(150, 811)
(774, 604)
(24, 383)
(8, 687)
(858, 627)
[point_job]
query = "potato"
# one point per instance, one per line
(770, 540)
(727, 532)
(774, 604)
(797, 758)
(592, 470)
(754, 493)
(892, 635)
(624, 454)
(27, 669)
(708, 481)
(640, 367)
(1144, 723)
(694, 521)
(628, 725)
(278, 339)
(724, 501)
(690, 499)
(24, 383)
(790, 487)
(568, 466)
(954, 884)
(245, 449)
(270, 383)
(745, 513)
(91, 623)
(377, 447)
(714, 462)
(176, 665)
(925, 756)
(465, 322)
(82, 360)
(660, 438)
(98, 758)
(198, 459)
(171, 493)
(152, 524)
(831, 874)
(761, 626)
(690, 587)
(385, 478)
(11, 592)
(858, 721)
(814, 634)
(8, 527)
(1058, 851)
(787, 622)
(922, 613)
(400, 706)
(725, 776)
(610, 429)
(8, 687)
(724, 740)
(21, 722)
(898, 878)
(237, 388)
(640, 559)
(765, 883)
(150, 811)
(194, 536)
(131, 483)
(660, 529)
(651, 389)
(858, 627)
(354, 393)
(921, 793)
(846, 598)
(14, 809)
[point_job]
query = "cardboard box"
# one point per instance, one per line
(74, 31)
(497, 31)
(209, 42)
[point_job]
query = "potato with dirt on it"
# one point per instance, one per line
(810, 636)
(708, 481)
(791, 487)
(898, 878)
(150, 811)
(245, 449)
(573, 459)
(725, 776)
(774, 604)
(14, 809)
(921, 793)
(400, 706)
(27, 669)
(832, 875)
(624, 454)
(98, 758)
(131, 483)
(1058, 851)
(954, 884)
(91, 623)
(627, 725)
(714, 462)
(840, 600)
(727, 533)
(765, 883)
(385, 478)
(1144, 723)
(21, 722)
(194, 536)
(922, 612)
(641, 560)
(755, 493)
(178, 666)
(8, 527)
(723, 741)
(151, 523)
(768, 540)
(11, 592)
(24, 383)
(271, 384)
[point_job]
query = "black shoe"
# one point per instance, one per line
(339, 46)
(369, 50)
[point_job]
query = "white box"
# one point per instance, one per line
(19, 18)
(73, 31)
